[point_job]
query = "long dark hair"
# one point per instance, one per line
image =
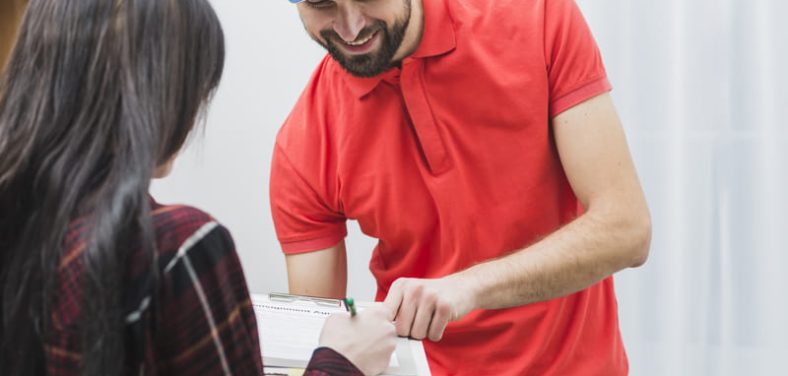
(96, 95)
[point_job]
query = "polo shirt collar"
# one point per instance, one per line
(437, 39)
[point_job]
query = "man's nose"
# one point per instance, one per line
(350, 21)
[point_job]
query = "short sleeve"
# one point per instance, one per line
(574, 64)
(303, 219)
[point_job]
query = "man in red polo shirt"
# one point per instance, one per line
(476, 141)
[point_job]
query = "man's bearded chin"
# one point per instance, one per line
(372, 63)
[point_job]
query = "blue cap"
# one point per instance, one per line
(295, 1)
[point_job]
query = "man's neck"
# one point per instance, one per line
(413, 33)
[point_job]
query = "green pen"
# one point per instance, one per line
(350, 306)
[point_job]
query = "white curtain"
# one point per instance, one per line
(702, 89)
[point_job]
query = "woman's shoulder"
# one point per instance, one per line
(181, 227)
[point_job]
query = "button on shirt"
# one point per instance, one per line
(449, 161)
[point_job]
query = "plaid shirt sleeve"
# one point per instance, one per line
(205, 322)
(204, 319)
(327, 362)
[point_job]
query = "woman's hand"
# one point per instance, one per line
(367, 339)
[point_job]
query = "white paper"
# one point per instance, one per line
(292, 330)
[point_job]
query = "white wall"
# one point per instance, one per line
(225, 171)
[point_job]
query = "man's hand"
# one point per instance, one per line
(423, 307)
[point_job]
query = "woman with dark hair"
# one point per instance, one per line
(96, 278)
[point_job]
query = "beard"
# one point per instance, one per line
(375, 62)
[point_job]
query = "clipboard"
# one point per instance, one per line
(289, 329)
(290, 298)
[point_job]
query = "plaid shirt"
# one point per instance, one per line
(198, 319)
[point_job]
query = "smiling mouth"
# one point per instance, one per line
(359, 46)
(360, 42)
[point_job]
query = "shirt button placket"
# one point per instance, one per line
(418, 106)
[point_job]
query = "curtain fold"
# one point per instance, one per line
(702, 90)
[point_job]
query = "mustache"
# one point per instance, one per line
(330, 36)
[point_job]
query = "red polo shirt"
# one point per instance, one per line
(450, 161)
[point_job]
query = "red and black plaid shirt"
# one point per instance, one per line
(197, 319)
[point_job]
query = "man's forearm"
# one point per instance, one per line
(578, 255)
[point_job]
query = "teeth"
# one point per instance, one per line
(360, 42)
